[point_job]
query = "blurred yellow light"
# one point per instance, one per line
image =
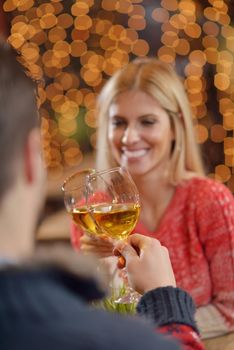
(210, 28)
(229, 160)
(109, 5)
(124, 6)
(117, 32)
(201, 111)
(192, 69)
(193, 84)
(225, 105)
(140, 48)
(197, 58)
(221, 81)
(211, 55)
(195, 98)
(66, 80)
(230, 43)
(138, 10)
(107, 44)
(16, 40)
(79, 8)
(137, 22)
(61, 49)
(30, 52)
(228, 120)
(119, 55)
(24, 5)
(187, 7)
(65, 20)
(170, 38)
(229, 146)
(167, 27)
(131, 36)
(51, 72)
(160, 15)
(223, 172)
(19, 18)
(183, 47)
(92, 76)
(102, 26)
(230, 182)
(57, 34)
(80, 34)
(48, 21)
(166, 54)
(69, 110)
(224, 19)
(227, 31)
(58, 7)
(193, 30)
(78, 48)
(201, 133)
(9, 5)
(217, 133)
(73, 156)
(90, 118)
(75, 95)
(67, 127)
(53, 90)
(211, 13)
(36, 72)
(20, 27)
(44, 9)
(83, 22)
(178, 21)
(170, 5)
(210, 41)
(58, 101)
(90, 100)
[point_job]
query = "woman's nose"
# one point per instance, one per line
(131, 135)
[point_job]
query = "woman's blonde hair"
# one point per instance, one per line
(160, 81)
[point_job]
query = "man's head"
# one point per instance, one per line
(18, 114)
(21, 172)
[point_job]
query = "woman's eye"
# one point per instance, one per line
(118, 122)
(147, 122)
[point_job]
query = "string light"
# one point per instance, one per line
(77, 45)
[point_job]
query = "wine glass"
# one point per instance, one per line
(74, 189)
(114, 205)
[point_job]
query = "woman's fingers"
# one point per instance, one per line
(101, 246)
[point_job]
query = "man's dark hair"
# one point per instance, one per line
(18, 113)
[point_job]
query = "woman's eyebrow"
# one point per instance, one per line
(140, 116)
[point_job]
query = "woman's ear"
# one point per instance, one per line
(32, 151)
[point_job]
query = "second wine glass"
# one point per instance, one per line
(114, 204)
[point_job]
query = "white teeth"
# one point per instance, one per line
(134, 154)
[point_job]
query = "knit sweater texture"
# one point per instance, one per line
(197, 227)
(46, 308)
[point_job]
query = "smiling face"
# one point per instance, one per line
(139, 133)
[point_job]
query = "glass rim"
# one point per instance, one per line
(89, 171)
(108, 170)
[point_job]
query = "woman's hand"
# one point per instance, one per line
(101, 246)
(147, 263)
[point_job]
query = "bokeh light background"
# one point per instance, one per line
(73, 47)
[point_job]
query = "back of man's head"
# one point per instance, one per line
(18, 114)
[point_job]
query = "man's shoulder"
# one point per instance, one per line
(42, 311)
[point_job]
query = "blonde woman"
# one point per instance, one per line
(146, 125)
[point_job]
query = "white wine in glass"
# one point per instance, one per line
(74, 190)
(114, 204)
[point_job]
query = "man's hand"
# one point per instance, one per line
(147, 263)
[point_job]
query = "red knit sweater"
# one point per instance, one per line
(198, 230)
